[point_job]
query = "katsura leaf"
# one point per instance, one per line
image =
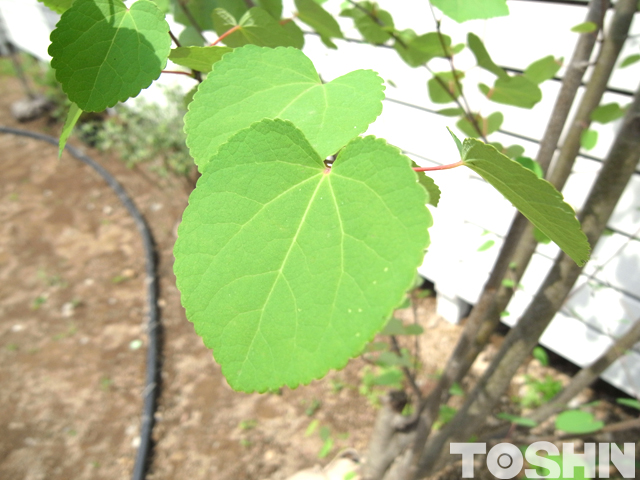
(517, 91)
(463, 10)
(252, 83)
(104, 53)
(450, 112)
(585, 27)
(287, 268)
(482, 56)
(256, 27)
(418, 50)
(443, 87)
(274, 7)
(589, 139)
(577, 421)
(430, 186)
(198, 58)
(630, 60)
(237, 8)
(190, 37)
(371, 31)
(536, 198)
(58, 6)
(318, 18)
(199, 10)
(607, 113)
(543, 69)
(69, 123)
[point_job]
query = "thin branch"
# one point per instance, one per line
(467, 110)
(175, 39)
(179, 72)
(191, 19)
(409, 376)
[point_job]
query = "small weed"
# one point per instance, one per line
(105, 383)
(146, 133)
(327, 446)
(96, 464)
(446, 415)
(248, 424)
(539, 391)
(119, 279)
(313, 408)
(38, 302)
(336, 386)
(245, 442)
(72, 330)
(13, 197)
(12, 347)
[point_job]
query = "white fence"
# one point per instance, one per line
(471, 212)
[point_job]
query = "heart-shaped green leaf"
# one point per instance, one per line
(418, 50)
(252, 83)
(536, 198)
(543, 69)
(518, 91)
(482, 56)
(288, 268)
(104, 53)
(373, 31)
(318, 18)
(256, 27)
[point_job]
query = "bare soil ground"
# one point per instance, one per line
(72, 339)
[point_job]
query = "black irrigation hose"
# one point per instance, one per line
(151, 382)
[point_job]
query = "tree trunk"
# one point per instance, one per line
(605, 193)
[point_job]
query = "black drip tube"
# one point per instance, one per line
(152, 375)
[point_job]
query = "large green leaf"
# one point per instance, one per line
(536, 198)
(104, 53)
(288, 268)
(371, 30)
(252, 83)
(482, 56)
(318, 18)
(198, 58)
(418, 50)
(59, 6)
(256, 27)
(543, 69)
(463, 10)
(517, 91)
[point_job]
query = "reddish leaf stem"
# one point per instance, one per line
(439, 167)
(178, 72)
(226, 34)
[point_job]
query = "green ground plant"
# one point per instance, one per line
(302, 237)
